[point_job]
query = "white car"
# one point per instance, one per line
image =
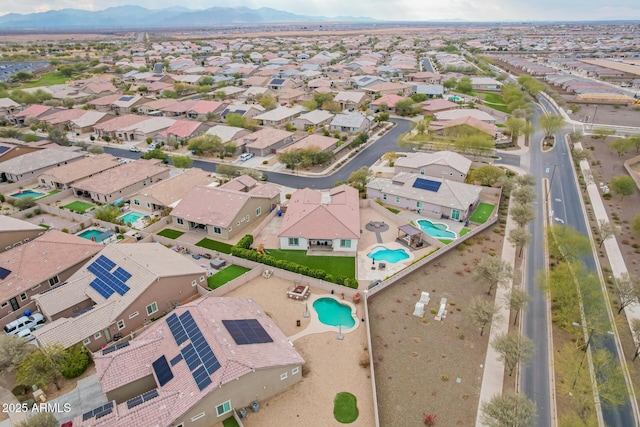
(246, 156)
(134, 149)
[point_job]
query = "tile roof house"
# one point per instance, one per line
(181, 130)
(104, 103)
(60, 119)
(350, 99)
(10, 149)
(8, 107)
(227, 133)
(441, 164)
(350, 123)
(32, 164)
(433, 106)
(119, 290)
(322, 220)
(58, 255)
(321, 142)
(387, 88)
(110, 127)
(121, 182)
(224, 353)
(14, 231)
(224, 212)
(457, 126)
(86, 122)
(168, 192)
(466, 112)
(265, 141)
(148, 128)
(35, 110)
(279, 116)
(247, 111)
(312, 119)
(386, 102)
(429, 196)
(62, 177)
(154, 108)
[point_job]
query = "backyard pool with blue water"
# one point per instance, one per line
(27, 193)
(332, 313)
(380, 253)
(131, 217)
(436, 229)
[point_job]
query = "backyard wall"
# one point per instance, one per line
(628, 166)
(12, 188)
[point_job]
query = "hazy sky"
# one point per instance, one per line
(471, 10)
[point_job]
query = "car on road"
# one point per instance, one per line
(152, 146)
(134, 149)
(246, 156)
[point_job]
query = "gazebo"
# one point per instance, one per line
(410, 235)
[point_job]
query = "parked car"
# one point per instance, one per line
(152, 146)
(23, 322)
(246, 156)
(134, 149)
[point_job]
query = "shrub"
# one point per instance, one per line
(92, 138)
(65, 230)
(1, 198)
(75, 361)
(265, 162)
(28, 215)
(287, 196)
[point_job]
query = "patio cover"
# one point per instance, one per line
(409, 230)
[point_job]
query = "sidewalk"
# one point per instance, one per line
(492, 379)
(6, 397)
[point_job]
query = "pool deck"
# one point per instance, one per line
(316, 326)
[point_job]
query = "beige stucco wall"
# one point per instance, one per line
(10, 237)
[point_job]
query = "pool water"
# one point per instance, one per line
(27, 193)
(437, 230)
(332, 313)
(91, 233)
(380, 253)
(131, 217)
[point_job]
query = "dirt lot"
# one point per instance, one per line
(624, 115)
(423, 365)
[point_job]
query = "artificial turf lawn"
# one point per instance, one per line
(230, 422)
(171, 234)
(226, 275)
(482, 212)
(214, 245)
(335, 265)
(464, 231)
(78, 206)
(345, 408)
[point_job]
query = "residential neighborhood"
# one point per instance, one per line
(284, 223)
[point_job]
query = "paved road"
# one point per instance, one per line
(567, 208)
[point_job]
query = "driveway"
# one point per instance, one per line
(86, 396)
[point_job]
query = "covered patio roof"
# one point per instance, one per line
(409, 230)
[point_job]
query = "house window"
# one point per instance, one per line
(455, 214)
(35, 287)
(4, 304)
(283, 376)
(418, 205)
(421, 171)
(397, 199)
(197, 417)
(134, 314)
(224, 408)
(23, 296)
(384, 196)
(86, 341)
(193, 283)
(258, 211)
(152, 308)
(202, 278)
(54, 281)
(345, 243)
(136, 202)
(295, 371)
(97, 336)
(120, 325)
(180, 221)
(148, 205)
(293, 241)
(217, 230)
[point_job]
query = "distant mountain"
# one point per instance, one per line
(138, 17)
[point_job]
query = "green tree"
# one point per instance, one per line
(464, 85)
(550, 124)
(58, 136)
(182, 162)
(635, 142)
(40, 419)
(621, 146)
(236, 120)
(604, 231)
(450, 83)
(24, 203)
(509, 410)
(321, 98)
(310, 105)
(156, 153)
(481, 312)
(610, 379)
(603, 133)
(486, 175)
(515, 125)
(635, 331)
(419, 97)
(492, 271)
(406, 107)
(360, 178)
(519, 237)
(523, 194)
(635, 224)
(332, 107)
(623, 185)
(576, 136)
(628, 290)
(75, 361)
(42, 366)
(268, 102)
(108, 213)
(230, 149)
(12, 351)
(522, 214)
(206, 144)
(476, 144)
(525, 180)
(23, 76)
(290, 158)
(513, 348)
(517, 300)
(30, 137)
(567, 244)
(382, 117)
(66, 70)
(95, 149)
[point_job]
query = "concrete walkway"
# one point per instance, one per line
(492, 380)
(6, 397)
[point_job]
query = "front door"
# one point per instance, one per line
(14, 304)
(455, 214)
(107, 335)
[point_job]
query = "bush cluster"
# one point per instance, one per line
(76, 360)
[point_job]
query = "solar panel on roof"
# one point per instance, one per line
(4, 273)
(202, 377)
(190, 357)
(427, 184)
(132, 403)
(115, 347)
(150, 394)
(144, 397)
(176, 359)
(98, 412)
(105, 282)
(176, 329)
(162, 370)
(277, 81)
(125, 98)
(247, 331)
(3, 149)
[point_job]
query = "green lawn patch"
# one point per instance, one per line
(494, 98)
(45, 226)
(464, 231)
(335, 265)
(47, 79)
(171, 234)
(78, 206)
(392, 210)
(482, 212)
(230, 422)
(225, 276)
(214, 245)
(445, 241)
(345, 408)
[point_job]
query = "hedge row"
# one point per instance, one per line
(241, 250)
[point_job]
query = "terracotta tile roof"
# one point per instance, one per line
(319, 141)
(90, 118)
(63, 116)
(446, 158)
(41, 259)
(180, 106)
(240, 183)
(120, 122)
(181, 393)
(113, 180)
(169, 191)
(34, 111)
(105, 100)
(82, 168)
(159, 104)
(469, 121)
(211, 206)
(438, 104)
(204, 107)
(313, 216)
(37, 160)
(265, 137)
(389, 100)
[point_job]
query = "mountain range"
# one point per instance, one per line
(133, 17)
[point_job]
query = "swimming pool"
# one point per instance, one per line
(332, 313)
(437, 229)
(131, 217)
(380, 253)
(27, 193)
(95, 234)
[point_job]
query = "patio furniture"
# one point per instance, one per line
(424, 298)
(299, 292)
(382, 265)
(442, 313)
(419, 310)
(218, 263)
